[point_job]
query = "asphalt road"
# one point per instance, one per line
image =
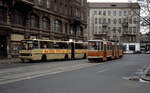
(107, 77)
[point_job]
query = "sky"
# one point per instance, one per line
(109, 0)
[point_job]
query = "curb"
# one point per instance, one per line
(146, 75)
(10, 61)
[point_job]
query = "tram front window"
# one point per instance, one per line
(29, 44)
(93, 46)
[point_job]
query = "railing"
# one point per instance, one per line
(125, 24)
(105, 24)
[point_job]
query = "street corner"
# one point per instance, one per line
(146, 75)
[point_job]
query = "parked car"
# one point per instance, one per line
(147, 52)
(137, 52)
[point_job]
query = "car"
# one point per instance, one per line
(147, 52)
(137, 52)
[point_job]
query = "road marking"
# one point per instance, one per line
(102, 70)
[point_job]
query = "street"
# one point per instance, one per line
(76, 76)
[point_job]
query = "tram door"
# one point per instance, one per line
(3, 47)
(72, 50)
(105, 51)
(113, 51)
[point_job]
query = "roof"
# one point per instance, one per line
(113, 5)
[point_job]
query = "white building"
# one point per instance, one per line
(117, 22)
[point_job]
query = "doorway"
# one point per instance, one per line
(3, 47)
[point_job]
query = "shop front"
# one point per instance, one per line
(15, 44)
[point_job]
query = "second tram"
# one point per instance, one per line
(100, 50)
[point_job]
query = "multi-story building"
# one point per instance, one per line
(40, 19)
(145, 42)
(117, 22)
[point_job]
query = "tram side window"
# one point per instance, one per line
(111, 47)
(43, 44)
(93, 45)
(79, 46)
(60, 45)
(50, 45)
(108, 47)
(102, 46)
(35, 44)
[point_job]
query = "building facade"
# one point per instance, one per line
(117, 22)
(145, 42)
(40, 19)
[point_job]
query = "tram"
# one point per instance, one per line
(38, 49)
(100, 50)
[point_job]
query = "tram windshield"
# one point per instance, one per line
(93, 45)
(29, 44)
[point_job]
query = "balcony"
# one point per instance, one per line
(105, 24)
(125, 24)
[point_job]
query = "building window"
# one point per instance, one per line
(40, 2)
(130, 20)
(46, 24)
(114, 13)
(134, 29)
(95, 20)
(66, 28)
(96, 30)
(125, 13)
(130, 29)
(109, 20)
(109, 13)
(120, 13)
(100, 12)
(81, 30)
(109, 28)
(120, 21)
(132, 47)
(3, 15)
(114, 29)
(134, 20)
(100, 21)
(124, 20)
(34, 21)
(95, 12)
(115, 21)
(129, 12)
(104, 13)
(48, 4)
(104, 20)
(18, 18)
(119, 29)
(57, 26)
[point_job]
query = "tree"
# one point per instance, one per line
(145, 13)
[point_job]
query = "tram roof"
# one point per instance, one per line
(54, 40)
(96, 40)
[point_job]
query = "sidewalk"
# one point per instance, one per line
(9, 60)
(146, 75)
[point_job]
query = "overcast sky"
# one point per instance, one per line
(109, 0)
